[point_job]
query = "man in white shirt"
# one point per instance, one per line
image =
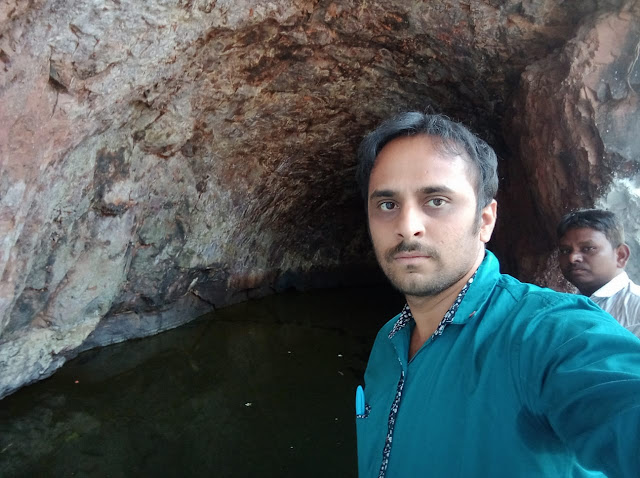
(592, 256)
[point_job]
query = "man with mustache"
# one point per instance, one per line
(592, 256)
(479, 375)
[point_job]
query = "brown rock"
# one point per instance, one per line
(575, 129)
(161, 159)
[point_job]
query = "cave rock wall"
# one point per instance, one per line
(575, 127)
(162, 158)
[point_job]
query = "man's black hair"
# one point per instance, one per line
(455, 139)
(604, 221)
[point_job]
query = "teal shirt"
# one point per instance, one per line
(524, 382)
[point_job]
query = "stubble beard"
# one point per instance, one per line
(408, 280)
(416, 281)
(412, 282)
(417, 284)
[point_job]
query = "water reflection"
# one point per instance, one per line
(264, 388)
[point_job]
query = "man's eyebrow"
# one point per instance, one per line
(436, 190)
(587, 242)
(389, 193)
(382, 193)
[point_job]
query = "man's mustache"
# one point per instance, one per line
(411, 247)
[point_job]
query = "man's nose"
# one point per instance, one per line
(575, 256)
(411, 223)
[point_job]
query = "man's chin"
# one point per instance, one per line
(417, 288)
(581, 285)
(579, 279)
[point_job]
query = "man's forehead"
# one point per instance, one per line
(416, 166)
(441, 146)
(583, 235)
(420, 148)
(427, 148)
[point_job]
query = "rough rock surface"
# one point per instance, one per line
(162, 158)
(575, 130)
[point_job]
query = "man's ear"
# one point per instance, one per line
(488, 217)
(622, 255)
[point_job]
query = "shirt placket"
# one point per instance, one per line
(403, 321)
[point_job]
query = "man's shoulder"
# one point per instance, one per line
(634, 289)
(538, 317)
(626, 302)
(536, 301)
(494, 286)
(629, 295)
(521, 290)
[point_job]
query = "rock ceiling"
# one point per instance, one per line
(162, 158)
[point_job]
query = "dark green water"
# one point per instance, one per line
(265, 388)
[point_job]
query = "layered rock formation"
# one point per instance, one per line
(160, 159)
(575, 129)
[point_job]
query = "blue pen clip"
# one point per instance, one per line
(360, 407)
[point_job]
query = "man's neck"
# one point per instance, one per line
(428, 312)
(589, 292)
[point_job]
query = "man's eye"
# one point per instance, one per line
(564, 252)
(436, 202)
(387, 206)
(588, 249)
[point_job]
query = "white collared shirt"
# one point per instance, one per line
(621, 298)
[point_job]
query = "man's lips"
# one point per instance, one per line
(406, 256)
(578, 270)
